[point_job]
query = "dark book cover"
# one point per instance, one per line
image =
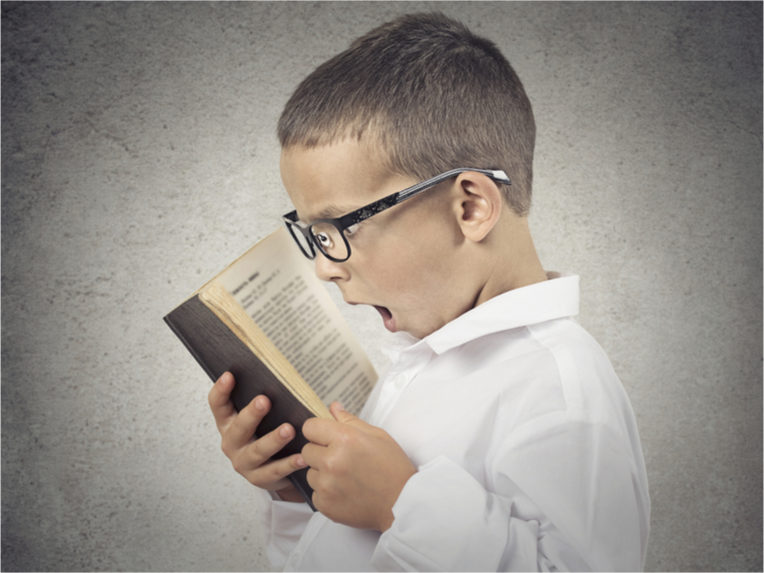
(218, 350)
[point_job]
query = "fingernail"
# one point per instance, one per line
(299, 462)
(260, 403)
(285, 431)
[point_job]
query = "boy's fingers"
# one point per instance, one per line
(259, 452)
(219, 398)
(273, 475)
(313, 454)
(320, 431)
(242, 427)
(263, 449)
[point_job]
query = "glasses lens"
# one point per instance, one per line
(330, 241)
(302, 241)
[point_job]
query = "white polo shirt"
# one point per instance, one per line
(526, 446)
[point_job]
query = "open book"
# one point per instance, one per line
(269, 321)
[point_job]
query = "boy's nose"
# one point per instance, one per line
(328, 270)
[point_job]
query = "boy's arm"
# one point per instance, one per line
(437, 518)
(566, 497)
(563, 498)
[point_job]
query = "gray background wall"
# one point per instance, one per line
(139, 156)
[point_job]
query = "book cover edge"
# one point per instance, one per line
(173, 320)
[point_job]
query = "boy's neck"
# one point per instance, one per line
(513, 260)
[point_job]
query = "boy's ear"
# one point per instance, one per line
(478, 205)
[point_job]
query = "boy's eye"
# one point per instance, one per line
(324, 239)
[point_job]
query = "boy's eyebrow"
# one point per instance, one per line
(333, 211)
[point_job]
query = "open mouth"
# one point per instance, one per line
(387, 317)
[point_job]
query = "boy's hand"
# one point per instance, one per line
(356, 470)
(251, 457)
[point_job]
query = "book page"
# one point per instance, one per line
(277, 287)
(228, 311)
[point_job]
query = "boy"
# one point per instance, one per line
(500, 438)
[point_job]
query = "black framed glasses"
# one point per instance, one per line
(330, 235)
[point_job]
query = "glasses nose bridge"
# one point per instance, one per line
(310, 240)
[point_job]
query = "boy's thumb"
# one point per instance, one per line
(340, 414)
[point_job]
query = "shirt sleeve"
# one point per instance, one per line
(445, 520)
(286, 522)
(566, 503)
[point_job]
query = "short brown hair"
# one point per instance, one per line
(434, 95)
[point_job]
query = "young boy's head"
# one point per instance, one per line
(412, 99)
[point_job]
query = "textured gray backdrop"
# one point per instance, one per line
(139, 156)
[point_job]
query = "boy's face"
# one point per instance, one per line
(405, 260)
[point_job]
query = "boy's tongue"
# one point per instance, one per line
(387, 318)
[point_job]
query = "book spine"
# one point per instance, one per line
(179, 333)
(216, 349)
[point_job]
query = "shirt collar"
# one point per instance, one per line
(557, 297)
